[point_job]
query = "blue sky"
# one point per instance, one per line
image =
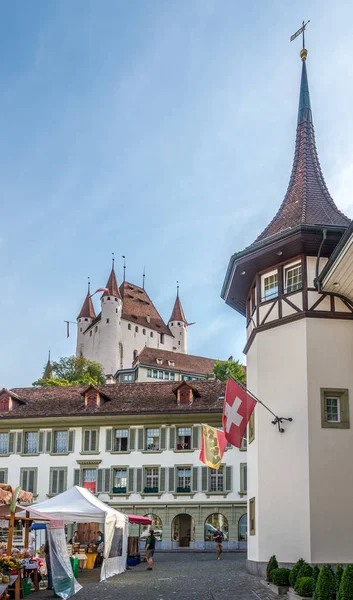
(159, 130)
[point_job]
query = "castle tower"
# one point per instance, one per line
(178, 325)
(110, 346)
(299, 363)
(84, 320)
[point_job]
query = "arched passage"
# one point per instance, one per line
(183, 529)
(156, 525)
(243, 528)
(212, 522)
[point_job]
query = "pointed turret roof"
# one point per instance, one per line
(87, 310)
(307, 201)
(112, 285)
(48, 371)
(178, 313)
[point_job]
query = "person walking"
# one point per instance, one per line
(218, 538)
(150, 546)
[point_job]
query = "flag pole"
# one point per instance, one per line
(277, 420)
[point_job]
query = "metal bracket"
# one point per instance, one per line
(279, 420)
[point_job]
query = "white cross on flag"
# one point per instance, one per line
(238, 406)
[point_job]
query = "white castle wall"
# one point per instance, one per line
(180, 332)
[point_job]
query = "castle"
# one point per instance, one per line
(127, 323)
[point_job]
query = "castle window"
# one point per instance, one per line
(162, 338)
(293, 278)
(86, 319)
(144, 331)
(151, 334)
(179, 343)
(96, 328)
(115, 299)
(129, 326)
(135, 354)
(107, 320)
(90, 333)
(270, 286)
(108, 298)
(335, 409)
(136, 329)
(179, 324)
(149, 372)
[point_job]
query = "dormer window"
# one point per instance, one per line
(94, 398)
(171, 363)
(4, 404)
(293, 278)
(159, 361)
(270, 286)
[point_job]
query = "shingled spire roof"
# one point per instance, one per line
(307, 201)
(87, 310)
(178, 313)
(112, 285)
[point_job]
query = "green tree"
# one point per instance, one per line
(346, 586)
(272, 565)
(338, 577)
(229, 368)
(325, 584)
(73, 370)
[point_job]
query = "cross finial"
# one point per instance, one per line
(303, 53)
(124, 267)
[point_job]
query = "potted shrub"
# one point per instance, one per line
(295, 571)
(272, 564)
(325, 584)
(280, 578)
(304, 586)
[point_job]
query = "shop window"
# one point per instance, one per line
(212, 522)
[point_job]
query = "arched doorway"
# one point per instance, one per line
(183, 530)
(243, 528)
(156, 525)
(212, 522)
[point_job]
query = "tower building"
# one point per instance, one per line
(299, 363)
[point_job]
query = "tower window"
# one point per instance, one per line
(96, 328)
(162, 338)
(293, 278)
(129, 326)
(335, 408)
(151, 334)
(179, 343)
(136, 329)
(135, 353)
(171, 324)
(90, 333)
(144, 331)
(270, 286)
(86, 319)
(108, 298)
(116, 310)
(179, 324)
(107, 320)
(80, 328)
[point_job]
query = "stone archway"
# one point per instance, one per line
(183, 530)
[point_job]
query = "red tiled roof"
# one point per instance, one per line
(112, 286)
(87, 310)
(137, 307)
(182, 362)
(125, 398)
(178, 313)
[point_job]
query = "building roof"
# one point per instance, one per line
(138, 308)
(87, 310)
(307, 200)
(178, 313)
(112, 286)
(140, 398)
(182, 362)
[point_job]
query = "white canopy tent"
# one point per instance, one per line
(78, 505)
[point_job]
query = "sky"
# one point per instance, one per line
(162, 131)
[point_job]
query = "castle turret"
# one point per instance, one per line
(84, 320)
(178, 325)
(110, 339)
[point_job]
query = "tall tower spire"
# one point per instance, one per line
(307, 201)
(48, 371)
(178, 325)
(112, 284)
(87, 310)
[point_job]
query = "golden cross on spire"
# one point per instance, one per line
(301, 30)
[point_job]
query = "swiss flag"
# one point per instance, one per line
(237, 409)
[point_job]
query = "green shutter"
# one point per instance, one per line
(94, 440)
(204, 479)
(195, 473)
(86, 440)
(24, 480)
(172, 432)
(163, 438)
(228, 487)
(132, 438)
(48, 445)
(195, 437)
(61, 481)
(107, 480)
(12, 437)
(19, 443)
(140, 439)
(71, 441)
(138, 479)
(31, 481)
(41, 441)
(54, 481)
(130, 480)
(100, 481)
(108, 440)
(171, 482)
(162, 479)
(77, 476)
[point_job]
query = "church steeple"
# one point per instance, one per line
(178, 313)
(307, 201)
(48, 371)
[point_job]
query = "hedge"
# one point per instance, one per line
(304, 586)
(325, 584)
(280, 576)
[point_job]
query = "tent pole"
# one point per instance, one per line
(10, 535)
(26, 540)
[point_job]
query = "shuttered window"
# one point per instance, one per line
(196, 437)
(172, 438)
(58, 479)
(3, 475)
(132, 438)
(28, 480)
(4, 443)
(243, 477)
(139, 480)
(195, 476)
(162, 479)
(131, 480)
(171, 486)
(90, 440)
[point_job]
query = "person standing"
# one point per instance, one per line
(150, 546)
(74, 539)
(218, 538)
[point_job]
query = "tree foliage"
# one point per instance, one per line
(295, 571)
(74, 370)
(338, 577)
(325, 584)
(346, 586)
(272, 565)
(280, 576)
(304, 586)
(229, 368)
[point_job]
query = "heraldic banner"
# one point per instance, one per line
(213, 446)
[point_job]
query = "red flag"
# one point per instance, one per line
(237, 409)
(100, 290)
(213, 446)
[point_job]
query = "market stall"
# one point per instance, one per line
(79, 505)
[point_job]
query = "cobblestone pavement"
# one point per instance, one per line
(176, 576)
